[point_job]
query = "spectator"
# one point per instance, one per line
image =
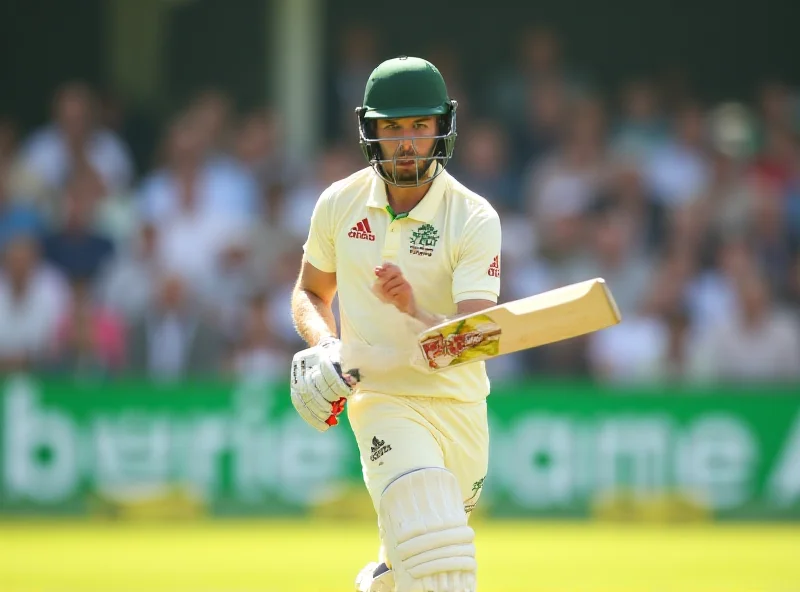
(447, 58)
(539, 62)
(15, 217)
(577, 166)
(210, 112)
(235, 281)
(484, 166)
(727, 201)
(776, 108)
(793, 210)
(257, 149)
(632, 351)
(687, 226)
(259, 355)
(646, 346)
(193, 204)
(778, 160)
(627, 192)
(674, 364)
(758, 343)
(543, 125)
(769, 233)
(358, 53)
(76, 248)
(612, 255)
(90, 339)
(562, 226)
(794, 283)
(268, 241)
(128, 284)
(73, 141)
(641, 129)
(680, 170)
(777, 157)
(32, 299)
(712, 295)
(174, 340)
(188, 159)
(334, 163)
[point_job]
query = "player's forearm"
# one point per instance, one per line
(313, 317)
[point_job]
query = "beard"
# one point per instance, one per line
(410, 176)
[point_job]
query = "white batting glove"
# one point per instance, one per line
(319, 389)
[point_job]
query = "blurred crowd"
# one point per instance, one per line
(183, 266)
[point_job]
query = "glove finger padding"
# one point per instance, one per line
(304, 404)
(331, 382)
(320, 396)
(307, 414)
(319, 406)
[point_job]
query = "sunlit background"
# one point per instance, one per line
(159, 161)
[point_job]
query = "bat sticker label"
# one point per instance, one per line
(467, 340)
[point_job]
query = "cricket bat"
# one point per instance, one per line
(529, 322)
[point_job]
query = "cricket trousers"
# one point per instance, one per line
(397, 434)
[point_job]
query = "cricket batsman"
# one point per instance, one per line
(406, 246)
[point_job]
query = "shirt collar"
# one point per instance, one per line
(424, 211)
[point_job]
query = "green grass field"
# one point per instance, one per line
(261, 556)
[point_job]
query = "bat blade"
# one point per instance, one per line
(534, 321)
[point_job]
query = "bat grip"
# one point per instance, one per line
(354, 373)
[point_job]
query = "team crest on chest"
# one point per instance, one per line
(423, 240)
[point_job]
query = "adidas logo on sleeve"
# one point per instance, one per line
(362, 231)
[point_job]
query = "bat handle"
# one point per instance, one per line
(353, 373)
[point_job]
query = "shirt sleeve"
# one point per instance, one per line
(477, 272)
(319, 248)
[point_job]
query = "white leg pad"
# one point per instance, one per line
(424, 528)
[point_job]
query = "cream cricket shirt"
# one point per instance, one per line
(448, 247)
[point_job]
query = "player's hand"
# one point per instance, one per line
(319, 388)
(392, 287)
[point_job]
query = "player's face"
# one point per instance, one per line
(406, 140)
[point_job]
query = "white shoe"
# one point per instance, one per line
(366, 582)
(364, 577)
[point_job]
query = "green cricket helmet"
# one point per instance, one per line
(407, 87)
